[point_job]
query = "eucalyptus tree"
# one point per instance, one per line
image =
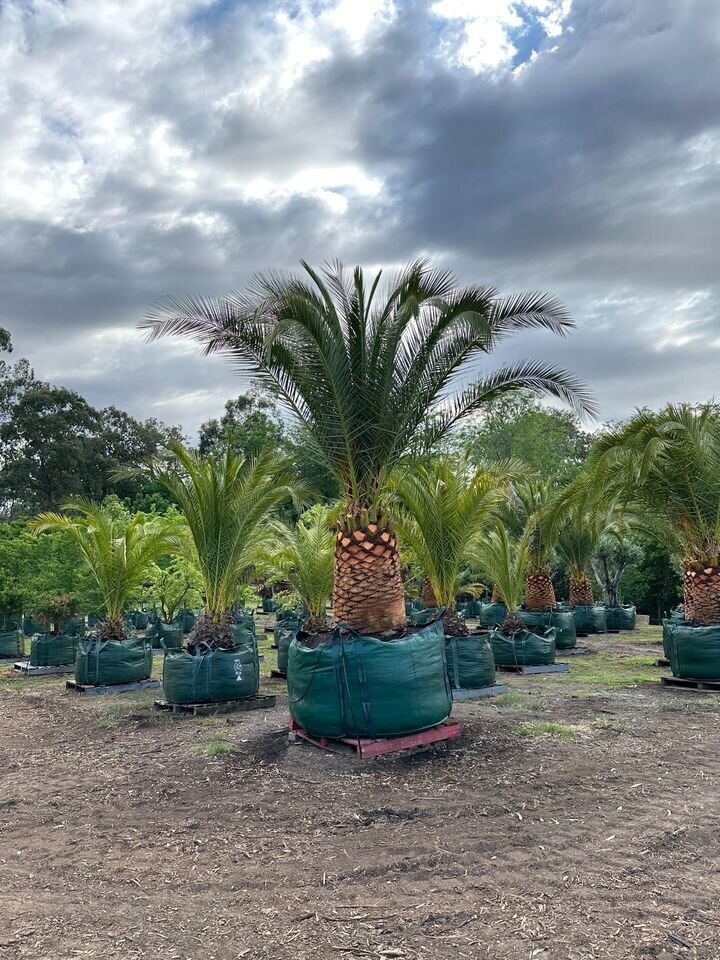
(364, 367)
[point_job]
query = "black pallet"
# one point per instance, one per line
(260, 702)
(278, 675)
(684, 683)
(572, 652)
(479, 693)
(525, 670)
(29, 670)
(99, 691)
(662, 662)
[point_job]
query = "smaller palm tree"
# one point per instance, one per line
(442, 510)
(304, 556)
(527, 507)
(504, 560)
(118, 552)
(225, 501)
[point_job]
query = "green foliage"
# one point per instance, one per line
(173, 587)
(609, 562)
(440, 513)
(550, 442)
(225, 501)
(251, 423)
(117, 551)
(667, 466)
(55, 610)
(654, 582)
(363, 368)
(503, 560)
(303, 555)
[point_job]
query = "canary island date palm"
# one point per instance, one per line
(303, 555)
(666, 465)
(225, 501)
(440, 512)
(527, 507)
(117, 551)
(503, 559)
(363, 366)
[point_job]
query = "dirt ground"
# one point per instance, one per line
(576, 818)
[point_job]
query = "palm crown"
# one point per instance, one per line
(363, 369)
(118, 552)
(503, 560)
(224, 501)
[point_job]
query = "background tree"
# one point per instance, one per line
(363, 369)
(610, 560)
(173, 586)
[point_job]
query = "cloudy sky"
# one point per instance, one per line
(177, 146)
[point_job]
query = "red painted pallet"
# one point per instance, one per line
(363, 747)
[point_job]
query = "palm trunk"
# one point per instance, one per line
(495, 598)
(428, 594)
(702, 593)
(454, 625)
(368, 593)
(581, 593)
(539, 590)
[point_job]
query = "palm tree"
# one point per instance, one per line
(575, 545)
(666, 465)
(441, 511)
(303, 555)
(225, 501)
(527, 507)
(363, 369)
(503, 560)
(117, 551)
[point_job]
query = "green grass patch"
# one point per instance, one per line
(216, 747)
(545, 728)
(115, 713)
(614, 670)
(511, 699)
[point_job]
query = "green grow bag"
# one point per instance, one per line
(165, 635)
(523, 648)
(287, 615)
(421, 618)
(473, 609)
(31, 627)
(562, 620)
(211, 676)
(75, 627)
(492, 614)
(676, 618)
(185, 621)
(357, 686)
(620, 618)
(471, 665)
(99, 662)
(461, 607)
(47, 650)
(694, 651)
(284, 633)
(590, 619)
(12, 644)
(140, 620)
(268, 605)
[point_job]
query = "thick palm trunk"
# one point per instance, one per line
(702, 593)
(368, 593)
(539, 590)
(428, 594)
(581, 593)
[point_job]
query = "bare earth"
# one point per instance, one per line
(129, 834)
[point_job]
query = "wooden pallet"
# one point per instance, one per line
(572, 652)
(29, 670)
(99, 691)
(542, 668)
(278, 675)
(684, 683)
(662, 662)
(260, 702)
(479, 692)
(364, 747)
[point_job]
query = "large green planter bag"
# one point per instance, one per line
(12, 644)
(492, 614)
(562, 620)
(421, 618)
(590, 619)
(140, 620)
(523, 648)
(99, 662)
(284, 633)
(164, 635)
(357, 686)
(473, 609)
(694, 651)
(620, 618)
(75, 627)
(244, 635)
(677, 618)
(47, 650)
(471, 665)
(281, 615)
(31, 627)
(184, 621)
(211, 676)
(268, 605)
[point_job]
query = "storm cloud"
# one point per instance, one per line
(152, 147)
